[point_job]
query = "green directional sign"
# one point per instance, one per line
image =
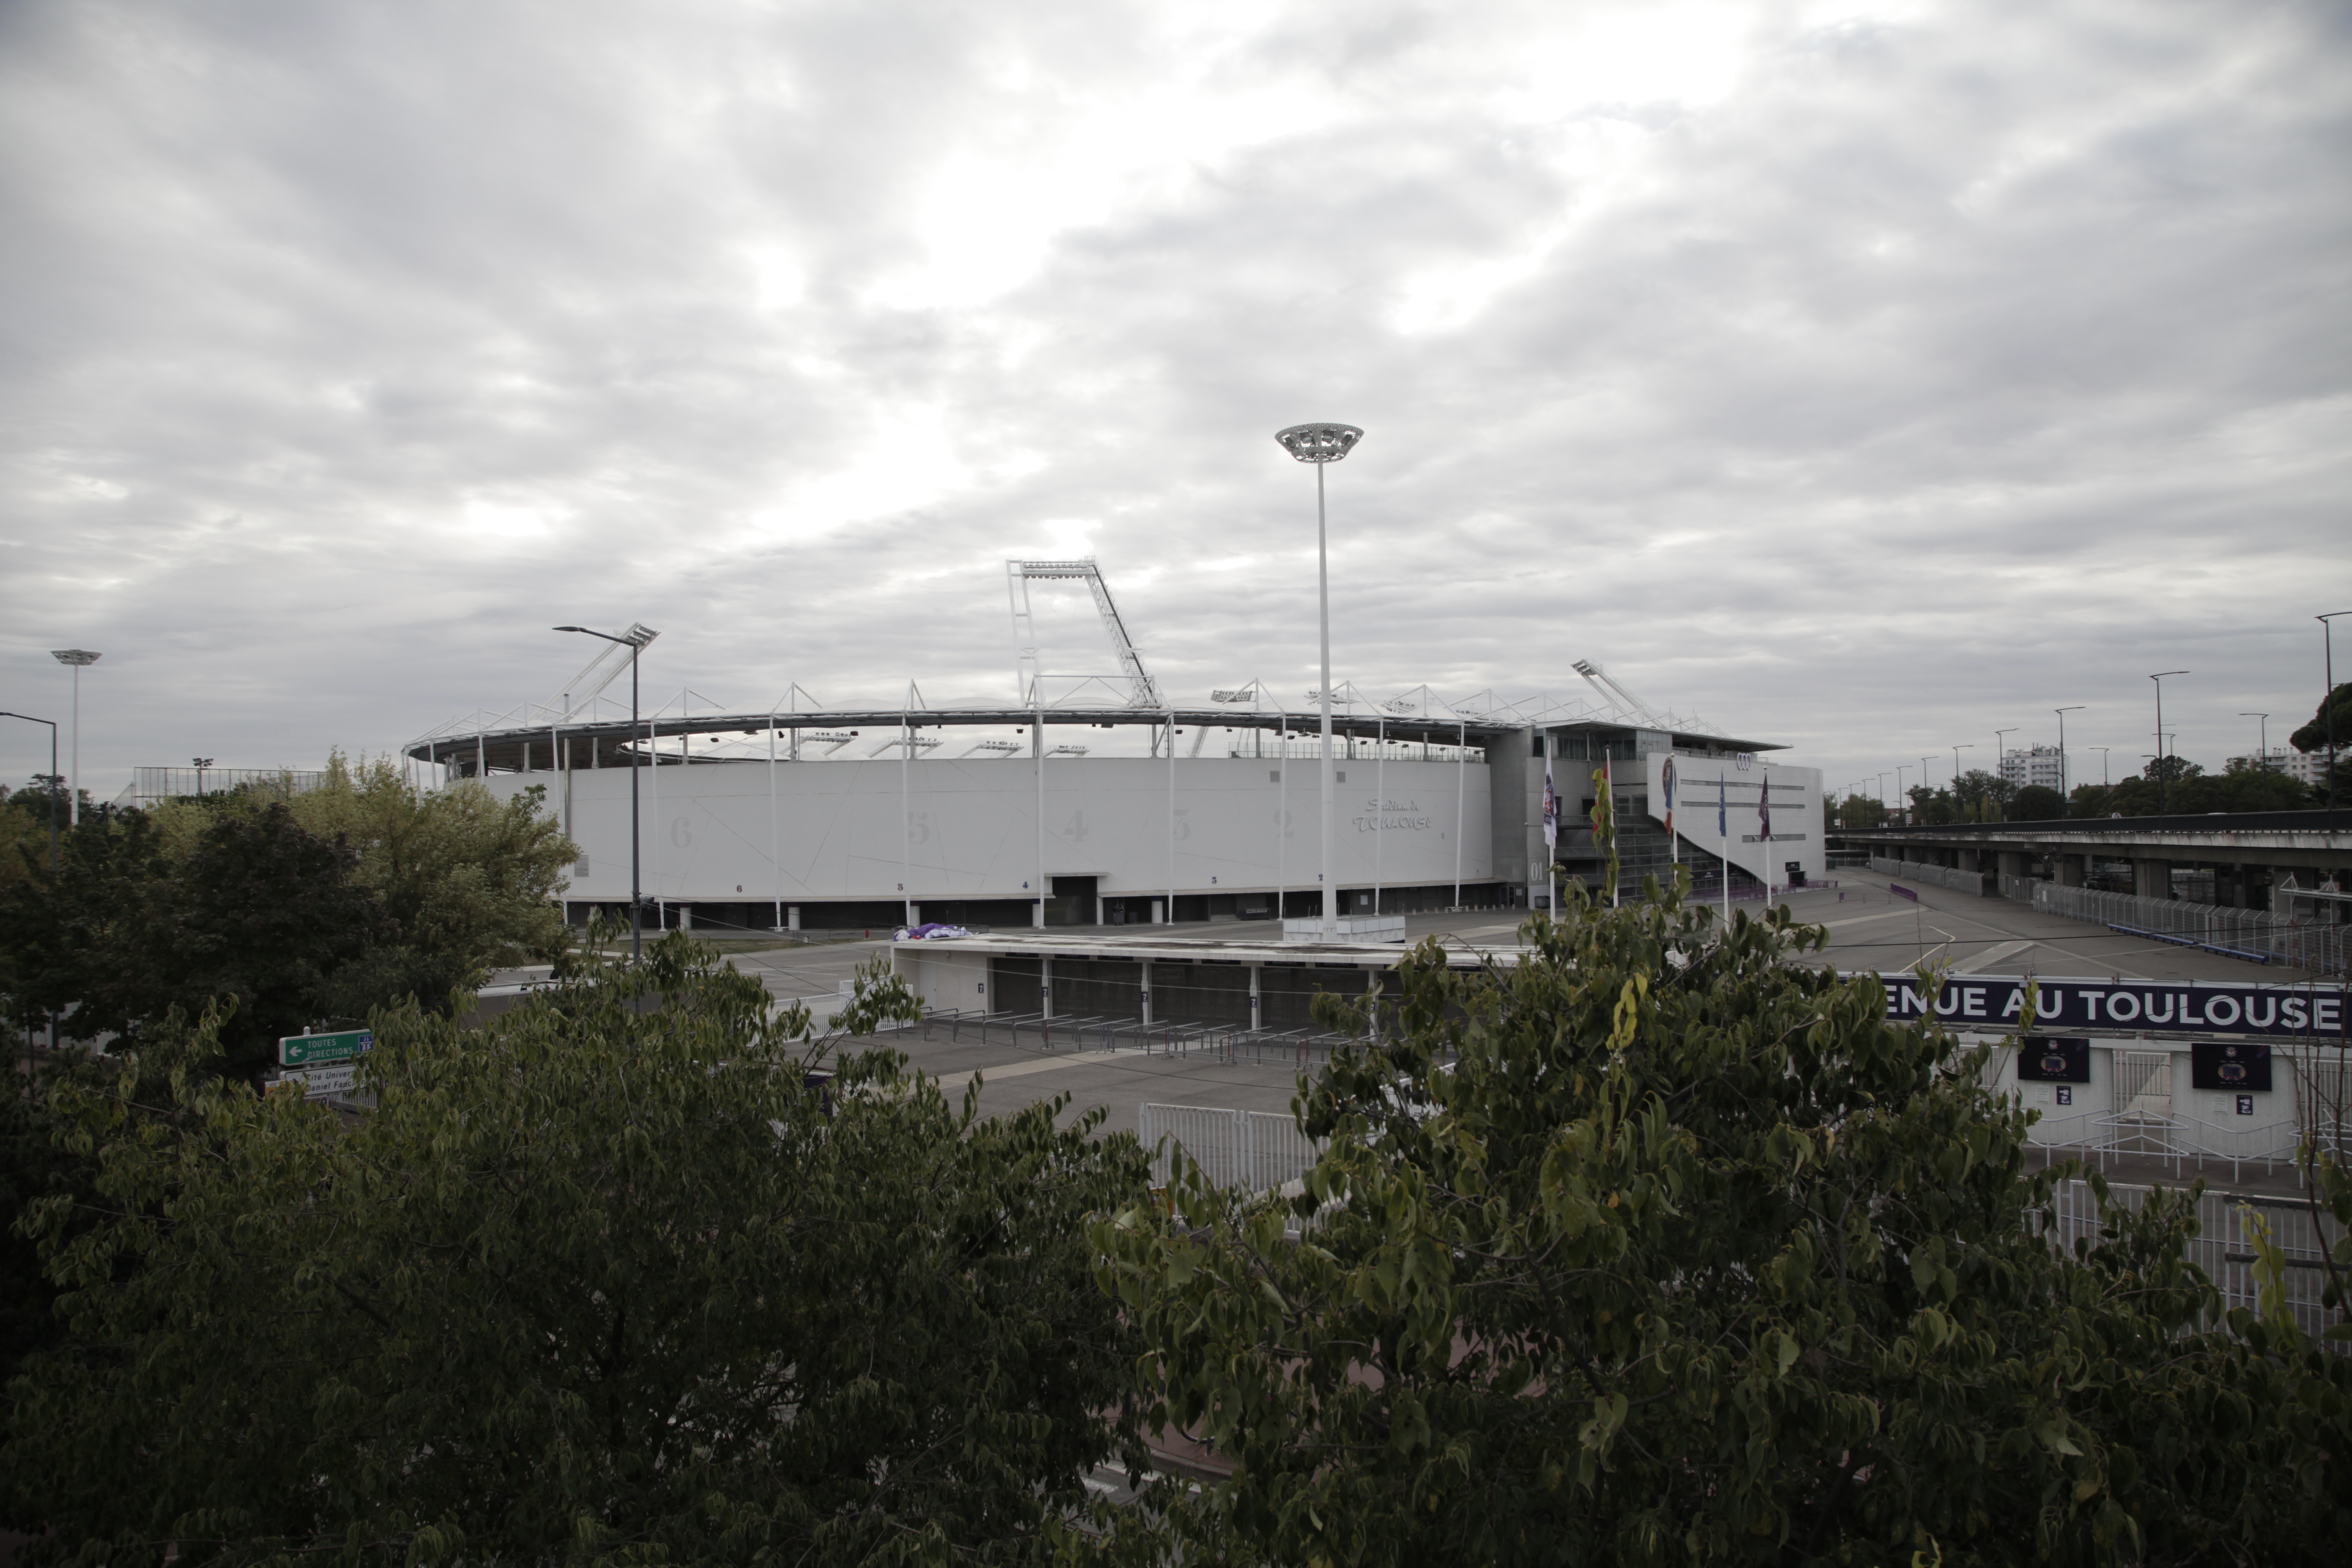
(299, 1050)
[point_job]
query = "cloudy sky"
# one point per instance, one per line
(1862, 376)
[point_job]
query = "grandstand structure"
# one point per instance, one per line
(801, 814)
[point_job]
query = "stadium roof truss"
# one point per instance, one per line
(692, 727)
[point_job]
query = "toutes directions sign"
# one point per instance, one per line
(303, 1050)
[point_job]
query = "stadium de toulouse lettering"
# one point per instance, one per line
(2236, 1008)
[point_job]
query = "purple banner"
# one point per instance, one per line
(2134, 1006)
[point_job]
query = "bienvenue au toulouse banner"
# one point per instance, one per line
(2308, 1011)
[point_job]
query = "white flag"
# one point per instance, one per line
(1551, 807)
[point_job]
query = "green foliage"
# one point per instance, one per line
(616, 1278)
(2037, 802)
(2194, 792)
(1664, 1246)
(2313, 737)
(471, 883)
(326, 904)
(123, 941)
(23, 842)
(1858, 811)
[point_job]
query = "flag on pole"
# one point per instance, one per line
(1550, 806)
(1668, 778)
(1722, 807)
(1764, 805)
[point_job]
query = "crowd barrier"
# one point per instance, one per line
(2256, 935)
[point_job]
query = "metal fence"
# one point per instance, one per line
(167, 784)
(1936, 876)
(2256, 935)
(1255, 1151)
(2221, 1247)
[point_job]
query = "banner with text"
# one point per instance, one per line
(2159, 1006)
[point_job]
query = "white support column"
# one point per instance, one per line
(1380, 808)
(1461, 777)
(1045, 985)
(1147, 991)
(1171, 817)
(1281, 823)
(775, 848)
(1257, 1016)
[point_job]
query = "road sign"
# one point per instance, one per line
(319, 1082)
(300, 1051)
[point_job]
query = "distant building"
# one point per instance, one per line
(2043, 765)
(2303, 767)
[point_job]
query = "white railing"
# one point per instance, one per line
(1343, 751)
(1255, 1151)
(2221, 1247)
(2322, 949)
(1935, 876)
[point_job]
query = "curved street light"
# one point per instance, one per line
(1321, 444)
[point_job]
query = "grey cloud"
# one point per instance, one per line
(1949, 368)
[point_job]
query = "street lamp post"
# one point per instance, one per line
(2104, 783)
(2160, 747)
(635, 644)
(2065, 773)
(2263, 746)
(1322, 445)
(76, 658)
(2000, 754)
(200, 764)
(1963, 746)
(1900, 769)
(2327, 703)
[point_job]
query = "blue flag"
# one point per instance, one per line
(1764, 805)
(1722, 807)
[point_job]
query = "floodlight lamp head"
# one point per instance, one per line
(1319, 443)
(73, 656)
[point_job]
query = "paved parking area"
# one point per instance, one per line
(1869, 927)
(1872, 928)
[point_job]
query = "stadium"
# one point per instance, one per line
(1098, 799)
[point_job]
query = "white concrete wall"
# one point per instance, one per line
(941, 975)
(1796, 811)
(971, 826)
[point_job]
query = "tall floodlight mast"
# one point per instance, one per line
(1142, 692)
(1030, 675)
(1323, 445)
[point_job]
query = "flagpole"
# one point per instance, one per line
(1550, 830)
(1722, 836)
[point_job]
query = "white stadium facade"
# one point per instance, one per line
(803, 817)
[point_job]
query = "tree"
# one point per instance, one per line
(2171, 768)
(2313, 737)
(2037, 802)
(1977, 788)
(257, 918)
(597, 1281)
(1663, 1246)
(1859, 811)
(470, 881)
